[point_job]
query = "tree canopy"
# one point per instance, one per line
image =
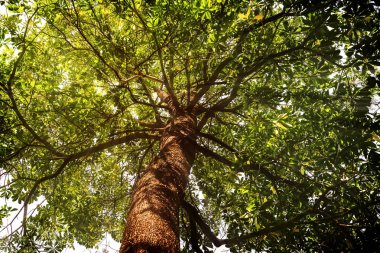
(285, 94)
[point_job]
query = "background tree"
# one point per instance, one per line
(106, 105)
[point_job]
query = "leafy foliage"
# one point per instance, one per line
(289, 156)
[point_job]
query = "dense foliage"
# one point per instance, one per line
(286, 94)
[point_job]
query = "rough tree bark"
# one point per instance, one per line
(153, 218)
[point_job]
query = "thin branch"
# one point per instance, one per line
(21, 55)
(265, 231)
(205, 64)
(188, 82)
(94, 50)
(168, 86)
(243, 168)
(220, 105)
(259, 63)
(152, 78)
(210, 84)
(134, 98)
(291, 222)
(125, 84)
(242, 35)
(159, 47)
(64, 37)
(37, 184)
(152, 102)
(21, 117)
(165, 44)
(14, 154)
(126, 81)
(212, 79)
(328, 59)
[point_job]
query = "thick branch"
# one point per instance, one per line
(194, 214)
(114, 142)
(194, 236)
(297, 219)
(209, 153)
(76, 156)
(221, 143)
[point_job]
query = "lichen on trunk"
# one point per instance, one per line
(153, 218)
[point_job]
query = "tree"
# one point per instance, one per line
(193, 119)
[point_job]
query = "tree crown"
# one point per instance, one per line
(287, 149)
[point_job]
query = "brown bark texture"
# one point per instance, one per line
(153, 219)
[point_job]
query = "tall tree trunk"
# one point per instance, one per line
(153, 219)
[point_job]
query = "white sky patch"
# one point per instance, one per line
(375, 105)
(154, 96)
(241, 176)
(99, 89)
(107, 244)
(3, 10)
(333, 75)
(284, 104)
(134, 114)
(331, 91)
(14, 220)
(242, 123)
(113, 108)
(65, 80)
